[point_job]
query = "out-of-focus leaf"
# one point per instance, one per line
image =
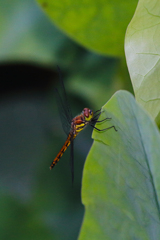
(142, 47)
(27, 34)
(121, 179)
(97, 25)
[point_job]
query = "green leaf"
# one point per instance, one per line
(99, 25)
(121, 180)
(142, 47)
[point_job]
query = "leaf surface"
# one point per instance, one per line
(121, 180)
(142, 47)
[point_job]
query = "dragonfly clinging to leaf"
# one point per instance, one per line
(72, 126)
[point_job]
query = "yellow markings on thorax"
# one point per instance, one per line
(88, 119)
(79, 127)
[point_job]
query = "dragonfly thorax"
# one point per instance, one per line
(79, 122)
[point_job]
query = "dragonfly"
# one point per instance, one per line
(72, 126)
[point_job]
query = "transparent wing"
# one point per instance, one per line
(65, 118)
(64, 98)
(63, 105)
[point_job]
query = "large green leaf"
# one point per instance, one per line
(142, 47)
(121, 180)
(99, 25)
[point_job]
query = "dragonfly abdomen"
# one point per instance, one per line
(63, 149)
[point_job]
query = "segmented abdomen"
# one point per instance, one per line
(63, 149)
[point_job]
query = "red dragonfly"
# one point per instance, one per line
(72, 126)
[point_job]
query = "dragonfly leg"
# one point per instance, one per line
(103, 120)
(95, 120)
(96, 116)
(97, 111)
(100, 130)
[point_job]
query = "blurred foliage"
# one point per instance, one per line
(37, 203)
(142, 51)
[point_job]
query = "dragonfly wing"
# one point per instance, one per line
(65, 98)
(64, 115)
(72, 160)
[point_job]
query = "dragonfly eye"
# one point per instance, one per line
(90, 111)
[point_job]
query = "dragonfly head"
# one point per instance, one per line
(88, 114)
